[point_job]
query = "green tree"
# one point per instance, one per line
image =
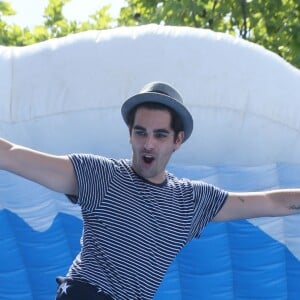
(59, 26)
(55, 21)
(5, 10)
(55, 24)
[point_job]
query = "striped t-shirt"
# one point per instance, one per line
(133, 229)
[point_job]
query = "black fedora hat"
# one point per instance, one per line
(163, 93)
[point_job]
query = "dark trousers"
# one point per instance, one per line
(70, 289)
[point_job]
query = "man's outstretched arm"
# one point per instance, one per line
(260, 204)
(54, 172)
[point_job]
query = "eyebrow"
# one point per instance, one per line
(161, 130)
(138, 127)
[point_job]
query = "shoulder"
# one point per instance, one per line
(185, 182)
(198, 187)
(90, 159)
(181, 183)
(97, 165)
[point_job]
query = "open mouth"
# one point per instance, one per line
(148, 159)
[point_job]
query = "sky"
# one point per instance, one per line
(30, 12)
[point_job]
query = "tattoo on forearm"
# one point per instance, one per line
(241, 199)
(294, 207)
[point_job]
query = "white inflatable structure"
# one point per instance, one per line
(65, 95)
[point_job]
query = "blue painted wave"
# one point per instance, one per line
(30, 260)
(233, 260)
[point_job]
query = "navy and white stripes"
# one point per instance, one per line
(133, 229)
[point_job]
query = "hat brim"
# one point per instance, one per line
(170, 102)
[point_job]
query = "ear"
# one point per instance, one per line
(179, 140)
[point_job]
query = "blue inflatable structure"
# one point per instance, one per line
(64, 96)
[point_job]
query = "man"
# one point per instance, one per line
(136, 215)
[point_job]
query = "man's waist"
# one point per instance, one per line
(80, 289)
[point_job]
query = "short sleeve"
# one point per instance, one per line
(93, 175)
(209, 200)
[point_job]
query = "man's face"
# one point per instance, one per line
(152, 141)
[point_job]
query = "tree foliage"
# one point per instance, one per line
(273, 24)
(55, 24)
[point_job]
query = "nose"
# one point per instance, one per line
(149, 142)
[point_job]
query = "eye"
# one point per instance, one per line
(139, 132)
(161, 135)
